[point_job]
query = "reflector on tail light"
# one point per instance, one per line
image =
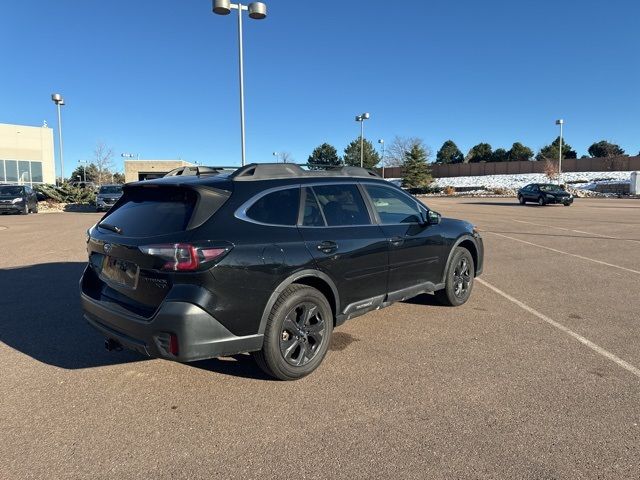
(184, 257)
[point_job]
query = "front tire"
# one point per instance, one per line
(459, 279)
(297, 334)
(521, 200)
(25, 210)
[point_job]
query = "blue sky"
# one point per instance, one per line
(159, 78)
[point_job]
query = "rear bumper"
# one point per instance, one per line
(199, 334)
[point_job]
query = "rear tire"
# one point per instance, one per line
(297, 334)
(541, 201)
(459, 279)
(521, 200)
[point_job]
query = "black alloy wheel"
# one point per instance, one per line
(521, 200)
(459, 279)
(541, 201)
(297, 333)
(302, 334)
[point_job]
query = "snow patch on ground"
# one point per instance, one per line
(581, 180)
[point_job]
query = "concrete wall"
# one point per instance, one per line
(134, 168)
(21, 142)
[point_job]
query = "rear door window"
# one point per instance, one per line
(342, 205)
(153, 211)
(276, 208)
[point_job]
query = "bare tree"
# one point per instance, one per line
(285, 157)
(396, 152)
(103, 160)
(551, 169)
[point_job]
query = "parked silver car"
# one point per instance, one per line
(108, 195)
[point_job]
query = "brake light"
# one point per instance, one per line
(184, 257)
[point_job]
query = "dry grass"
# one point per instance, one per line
(449, 190)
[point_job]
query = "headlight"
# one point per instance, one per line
(16, 200)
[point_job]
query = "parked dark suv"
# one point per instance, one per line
(18, 199)
(268, 259)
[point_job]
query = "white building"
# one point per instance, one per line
(26, 155)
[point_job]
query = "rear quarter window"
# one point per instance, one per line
(276, 208)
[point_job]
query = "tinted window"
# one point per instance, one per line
(312, 213)
(393, 206)
(153, 211)
(111, 190)
(342, 205)
(277, 208)
(11, 191)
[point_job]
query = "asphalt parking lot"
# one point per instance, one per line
(536, 377)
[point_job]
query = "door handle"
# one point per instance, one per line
(327, 246)
(396, 241)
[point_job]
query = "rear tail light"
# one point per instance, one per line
(184, 257)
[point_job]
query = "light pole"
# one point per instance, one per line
(84, 168)
(381, 142)
(59, 101)
(561, 123)
(361, 118)
(257, 11)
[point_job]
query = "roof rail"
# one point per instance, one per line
(270, 171)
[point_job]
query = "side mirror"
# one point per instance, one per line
(433, 217)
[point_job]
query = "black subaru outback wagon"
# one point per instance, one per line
(267, 259)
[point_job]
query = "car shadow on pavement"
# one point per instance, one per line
(40, 316)
(241, 365)
(423, 299)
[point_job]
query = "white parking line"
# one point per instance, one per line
(577, 231)
(563, 252)
(596, 348)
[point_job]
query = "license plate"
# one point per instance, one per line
(120, 272)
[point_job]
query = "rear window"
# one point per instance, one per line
(153, 211)
(276, 208)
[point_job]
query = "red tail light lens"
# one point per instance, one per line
(184, 257)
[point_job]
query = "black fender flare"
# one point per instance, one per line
(292, 279)
(459, 240)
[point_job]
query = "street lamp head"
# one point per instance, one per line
(381, 141)
(559, 122)
(358, 118)
(222, 7)
(257, 10)
(365, 116)
(57, 99)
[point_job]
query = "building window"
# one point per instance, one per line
(21, 172)
(36, 172)
(11, 170)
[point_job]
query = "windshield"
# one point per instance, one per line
(111, 190)
(11, 190)
(550, 188)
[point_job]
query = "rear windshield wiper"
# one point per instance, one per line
(108, 226)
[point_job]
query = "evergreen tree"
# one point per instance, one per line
(550, 152)
(352, 154)
(481, 152)
(500, 155)
(605, 149)
(449, 153)
(520, 153)
(416, 170)
(324, 156)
